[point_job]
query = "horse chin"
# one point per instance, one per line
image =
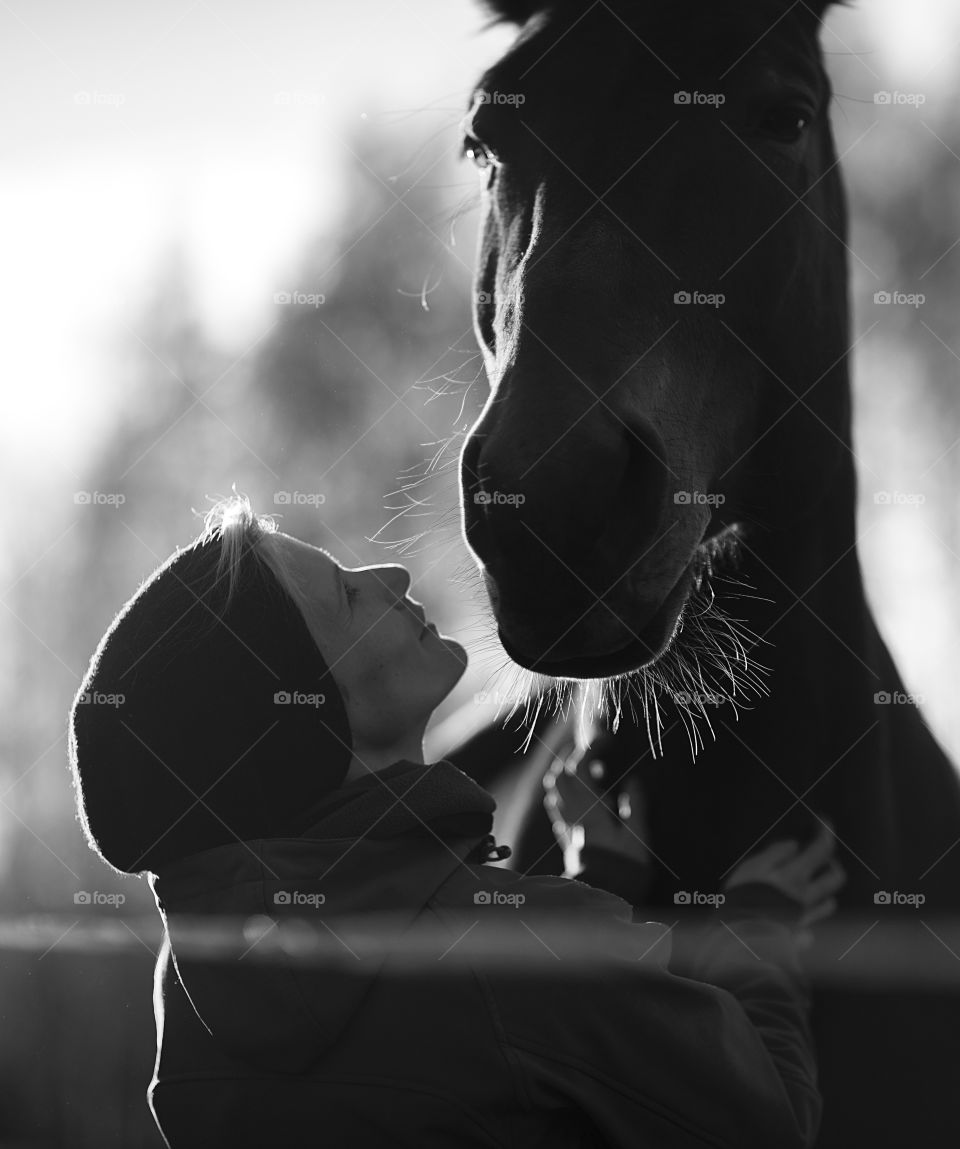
(643, 647)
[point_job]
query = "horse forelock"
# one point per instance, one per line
(520, 11)
(656, 46)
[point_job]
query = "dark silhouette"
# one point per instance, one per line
(663, 482)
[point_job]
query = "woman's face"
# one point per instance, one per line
(393, 668)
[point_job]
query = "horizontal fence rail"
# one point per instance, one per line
(860, 952)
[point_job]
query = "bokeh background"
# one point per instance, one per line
(236, 248)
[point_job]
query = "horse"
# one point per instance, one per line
(660, 495)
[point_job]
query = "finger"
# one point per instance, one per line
(776, 853)
(831, 880)
(631, 801)
(818, 912)
(636, 793)
(817, 851)
(551, 779)
(804, 939)
(564, 799)
(552, 773)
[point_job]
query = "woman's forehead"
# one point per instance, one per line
(306, 551)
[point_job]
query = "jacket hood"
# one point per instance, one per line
(259, 1001)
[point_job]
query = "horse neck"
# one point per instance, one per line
(819, 736)
(872, 767)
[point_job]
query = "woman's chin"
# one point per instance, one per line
(459, 652)
(457, 657)
(446, 650)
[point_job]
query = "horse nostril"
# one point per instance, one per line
(635, 509)
(582, 505)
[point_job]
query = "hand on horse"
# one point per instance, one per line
(589, 809)
(810, 876)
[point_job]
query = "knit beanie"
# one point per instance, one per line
(204, 718)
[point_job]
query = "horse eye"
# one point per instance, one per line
(478, 154)
(785, 124)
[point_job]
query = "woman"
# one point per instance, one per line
(266, 764)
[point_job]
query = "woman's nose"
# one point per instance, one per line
(395, 578)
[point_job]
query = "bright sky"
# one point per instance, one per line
(214, 123)
(219, 123)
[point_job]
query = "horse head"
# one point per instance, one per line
(661, 305)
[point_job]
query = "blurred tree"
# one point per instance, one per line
(325, 401)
